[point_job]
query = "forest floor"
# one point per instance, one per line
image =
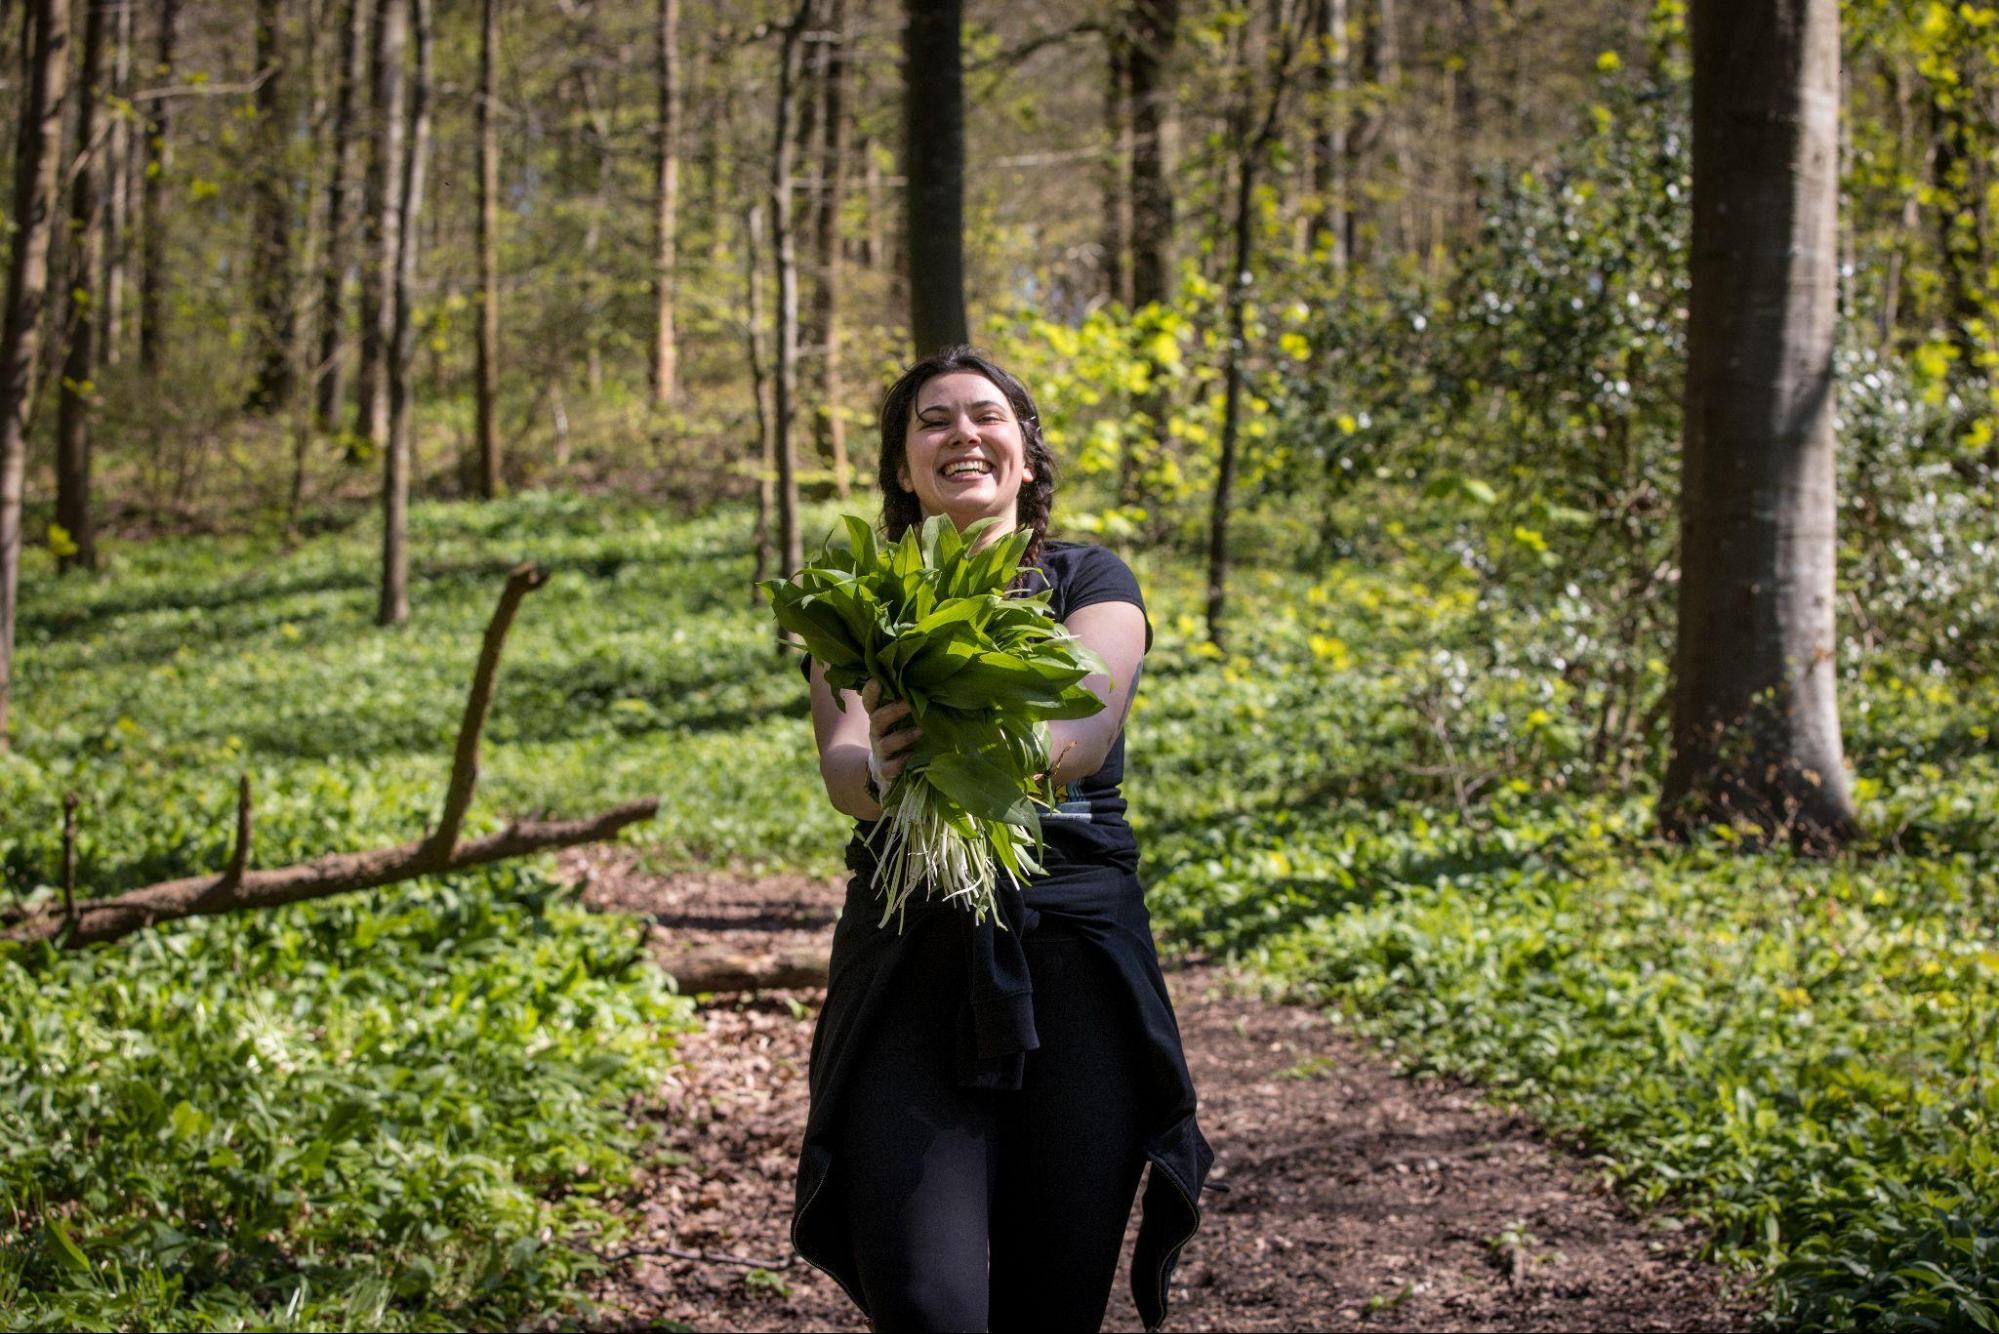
(1358, 1198)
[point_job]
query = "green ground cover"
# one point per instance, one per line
(396, 1108)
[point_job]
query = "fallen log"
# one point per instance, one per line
(237, 888)
(723, 968)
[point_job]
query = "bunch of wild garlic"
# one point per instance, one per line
(984, 672)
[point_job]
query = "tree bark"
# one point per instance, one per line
(45, 40)
(118, 187)
(1116, 241)
(829, 426)
(666, 210)
(153, 199)
(1368, 126)
(338, 225)
(271, 258)
(1253, 143)
(387, 169)
(381, 207)
(784, 249)
(86, 253)
(934, 172)
(1755, 714)
(1329, 134)
(598, 113)
(1154, 26)
(487, 391)
(398, 365)
(753, 346)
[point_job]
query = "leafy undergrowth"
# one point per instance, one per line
(336, 1116)
(1799, 1052)
(1387, 796)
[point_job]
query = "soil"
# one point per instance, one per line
(1358, 1198)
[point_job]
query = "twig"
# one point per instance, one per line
(703, 1257)
(521, 580)
(251, 85)
(69, 802)
(239, 857)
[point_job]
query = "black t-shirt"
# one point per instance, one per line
(1088, 828)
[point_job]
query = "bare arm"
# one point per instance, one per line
(845, 739)
(1116, 630)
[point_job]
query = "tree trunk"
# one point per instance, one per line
(118, 182)
(1465, 112)
(1153, 28)
(381, 207)
(933, 168)
(1369, 125)
(487, 390)
(153, 201)
(1329, 137)
(598, 113)
(1253, 145)
(829, 426)
(784, 248)
(339, 229)
(387, 168)
(45, 42)
(753, 345)
(874, 245)
(666, 210)
(73, 406)
(1755, 714)
(1116, 241)
(1154, 25)
(271, 258)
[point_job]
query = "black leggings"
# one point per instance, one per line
(934, 1174)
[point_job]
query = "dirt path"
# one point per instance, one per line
(1358, 1198)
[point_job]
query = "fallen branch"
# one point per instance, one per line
(722, 968)
(237, 888)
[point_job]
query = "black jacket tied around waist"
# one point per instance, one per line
(995, 1031)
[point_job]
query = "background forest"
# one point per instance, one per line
(1360, 327)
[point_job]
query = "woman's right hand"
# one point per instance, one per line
(888, 745)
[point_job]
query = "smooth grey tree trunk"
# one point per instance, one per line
(118, 178)
(1329, 130)
(1154, 26)
(381, 207)
(86, 255)
(934, 170)
(829, 426)
(487, 391)
(1116, 167)
(338, 226)
(36, 157)
(1755, 714)
(391, 165)
(153, 200)
(753, 347)
(784, 247)
(666, 210)
(1254, 138)
(271, 258)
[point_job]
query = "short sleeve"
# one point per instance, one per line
(805, 667)
(1099, 574)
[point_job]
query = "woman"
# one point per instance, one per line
(984, 1099)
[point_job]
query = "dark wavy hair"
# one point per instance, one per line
(901, 510)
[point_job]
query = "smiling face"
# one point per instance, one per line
(963, 452)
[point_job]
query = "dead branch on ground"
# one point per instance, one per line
(238, 888)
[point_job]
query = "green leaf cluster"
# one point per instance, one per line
(930, 617)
